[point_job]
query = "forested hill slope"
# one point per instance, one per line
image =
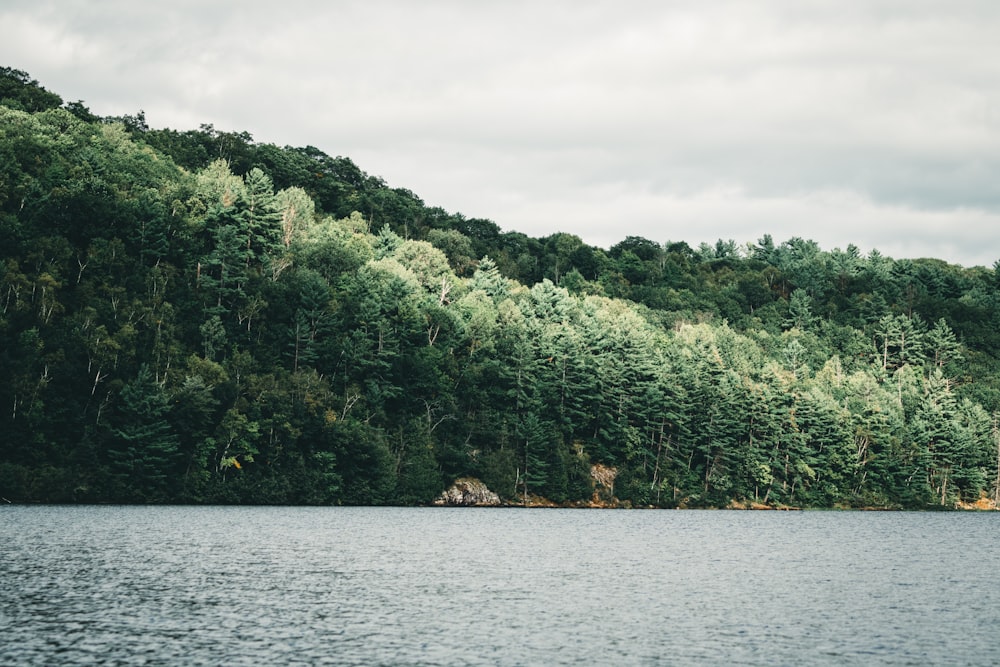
(190, 316)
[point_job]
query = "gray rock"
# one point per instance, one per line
(468, 492)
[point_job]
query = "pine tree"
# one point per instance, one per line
(143, 448)
(536, 467)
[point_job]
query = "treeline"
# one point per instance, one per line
(196, 317)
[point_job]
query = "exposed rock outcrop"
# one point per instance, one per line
(603, 478)
(983, 503)
(468, 492)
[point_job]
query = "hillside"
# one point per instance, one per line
(191, 316)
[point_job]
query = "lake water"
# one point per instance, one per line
(394, 586)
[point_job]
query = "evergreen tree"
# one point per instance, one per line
(143, 447)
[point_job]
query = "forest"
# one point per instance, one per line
(190, 316)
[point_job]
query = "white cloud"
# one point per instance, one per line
(49, 47)
(875, 123)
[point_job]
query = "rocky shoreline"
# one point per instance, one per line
(472, 492)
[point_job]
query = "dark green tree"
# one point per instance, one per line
(19, 91)
(143, 448)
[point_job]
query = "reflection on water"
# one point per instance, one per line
(392, 586)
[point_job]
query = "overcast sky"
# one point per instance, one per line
(875, 123)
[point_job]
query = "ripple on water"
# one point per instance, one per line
(369, 586)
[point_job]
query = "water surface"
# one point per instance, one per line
(408, 586)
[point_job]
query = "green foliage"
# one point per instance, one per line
(195, 317)
(142, 447)
(19, 91)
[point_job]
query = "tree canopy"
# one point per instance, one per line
(191, 316)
